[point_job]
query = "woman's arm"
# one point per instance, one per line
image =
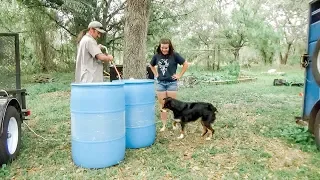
(154, 71)
(184, 68)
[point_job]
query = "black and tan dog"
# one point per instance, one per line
(185, 112)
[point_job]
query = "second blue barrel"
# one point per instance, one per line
(140, 112)
(97, 124)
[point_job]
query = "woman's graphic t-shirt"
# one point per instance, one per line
(167, 65)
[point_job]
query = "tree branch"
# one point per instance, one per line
(201, 39)
(111, 15)
(114, 39)
(111, 26)
(58, 23)
(179, 15)
(3, 25)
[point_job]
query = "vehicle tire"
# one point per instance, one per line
(316, 130)
(10, 139)
(315, 64)
(311, 125)
(312, 118)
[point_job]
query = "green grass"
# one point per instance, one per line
(256, 136)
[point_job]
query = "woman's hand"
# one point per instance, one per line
(176, 76)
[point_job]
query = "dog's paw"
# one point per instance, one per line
(181, 136)
(204, 133)
(174, 127)
(163, 110)
(162, 129)
(208, 138)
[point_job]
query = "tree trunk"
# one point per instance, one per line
(218, 58)
(270, 58)
(284, 59)
(208, 57)
(135, 37)
(264, 55)
(214, 59)
(208, 63)
(41, 48)
(44, 60)
(105, 6)
(236, 54)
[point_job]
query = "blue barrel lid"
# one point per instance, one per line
(135, 81)
(98, 84)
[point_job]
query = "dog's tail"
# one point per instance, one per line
(212, 108)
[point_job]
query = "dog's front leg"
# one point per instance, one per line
(205, 129)
(176, 119)
(163, 116)
(211, 131)
(182, 131)
(175, 122)
(174, 125)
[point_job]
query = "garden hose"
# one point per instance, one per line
(112, 63)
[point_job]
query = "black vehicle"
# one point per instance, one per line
(13, 110)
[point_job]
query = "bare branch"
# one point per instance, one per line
(111, 26)
(114, 39)
(122, 6)
(169, 17)
(4, 25)
(201, 39)
(58, 23)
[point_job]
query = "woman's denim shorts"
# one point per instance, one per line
(167, 86)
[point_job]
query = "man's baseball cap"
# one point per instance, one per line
(96, 25)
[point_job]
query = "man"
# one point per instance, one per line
(89, 65)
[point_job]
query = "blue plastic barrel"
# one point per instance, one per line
(97, 124)
(140, 112)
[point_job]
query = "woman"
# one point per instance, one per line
(167, 61)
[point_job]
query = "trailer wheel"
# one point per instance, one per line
(10, 139)
(315, 64)
(316, 130)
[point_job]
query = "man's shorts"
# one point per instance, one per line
(167, 86)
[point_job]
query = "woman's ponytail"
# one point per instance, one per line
(81, 34)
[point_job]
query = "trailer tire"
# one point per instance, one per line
(10, 140)
(316, 130)
(315, 64)
(311, 125)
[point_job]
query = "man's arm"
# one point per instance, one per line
(103, 57)
(95, 51)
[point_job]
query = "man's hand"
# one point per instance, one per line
(109, 57)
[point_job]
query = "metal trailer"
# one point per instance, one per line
(311, 61)
(13, 110)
